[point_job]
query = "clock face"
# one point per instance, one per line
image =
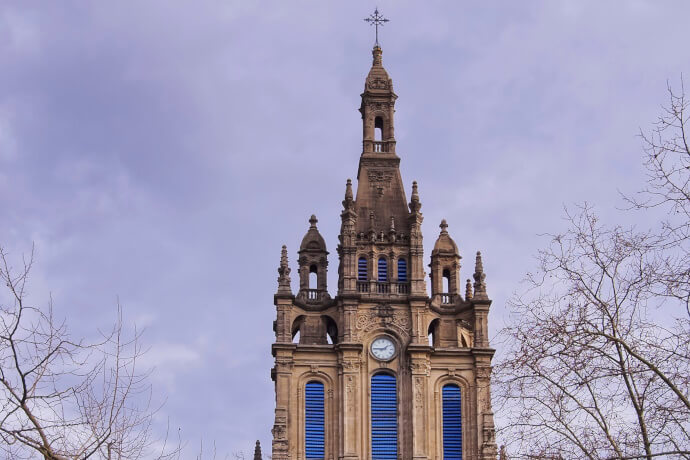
(383, 348)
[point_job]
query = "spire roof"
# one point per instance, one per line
(378, 80)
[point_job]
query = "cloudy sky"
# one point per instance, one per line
(162, 152)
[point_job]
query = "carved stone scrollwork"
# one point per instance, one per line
(484, 373)
(279, 432)
(351, 365)
(383, 316)
(420, 368)
(378, 83)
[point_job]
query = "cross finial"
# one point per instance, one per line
(376, 20)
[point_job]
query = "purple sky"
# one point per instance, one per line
(163, 151)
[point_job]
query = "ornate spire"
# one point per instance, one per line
(312, 221)
(257, 451)
(415, 205)
(468, 290)
(284, 274)
(349, 200)
(479, 277)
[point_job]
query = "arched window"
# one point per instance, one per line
(446, 281)
(452, 423)
(378, 129)
(402, 270)
(314, 426)
(362, 269)
(384, 417)
(383, 269)
(313, 277)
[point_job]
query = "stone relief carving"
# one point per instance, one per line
(350, 387)
(380, 180)
(378, 83)
(382, 316)
(418, 393)
(351, 364)
(278, 432)
(484, 373)
(420, 367)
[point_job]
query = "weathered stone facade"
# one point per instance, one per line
(439, 339)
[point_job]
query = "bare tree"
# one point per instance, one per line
(62, 398)
(597, 354)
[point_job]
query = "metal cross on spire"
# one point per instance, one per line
(376, 20)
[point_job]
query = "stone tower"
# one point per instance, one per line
(382, 370)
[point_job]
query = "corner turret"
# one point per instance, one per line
(313, 258)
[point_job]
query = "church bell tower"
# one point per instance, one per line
(382, 370)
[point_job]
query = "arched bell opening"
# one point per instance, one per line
(433, 332)
(446, 281)
(331, 330)
(296, 329)
(378, 129)
(313, 277)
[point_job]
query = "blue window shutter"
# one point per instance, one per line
(384, 417)
(383, 269)
(402, 270)
(362, 269)
(314, 421)
(452, 423)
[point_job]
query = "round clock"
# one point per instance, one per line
(383, 348)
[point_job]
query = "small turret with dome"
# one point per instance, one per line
(313, 258)
(445, 268)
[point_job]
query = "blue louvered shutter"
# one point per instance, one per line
(402, 270)
(384, 418)
(362, 269)
(452, 423)
(314, 421)
(383, 269)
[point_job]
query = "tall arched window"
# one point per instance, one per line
(314, 438)
(402, 270)
(362, 269)
(383, 269)
(452, 423)
(378, 129)
(384, 417)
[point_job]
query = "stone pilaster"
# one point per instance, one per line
(349, 365)
(420, 369)
(283, 371)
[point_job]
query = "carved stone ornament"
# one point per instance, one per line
(350, 386)
(484, 373)
(378, 83)
(380, 181)
(278, 432)
(420, 367)
(370, 320)
(351, 364)
(418, 393)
